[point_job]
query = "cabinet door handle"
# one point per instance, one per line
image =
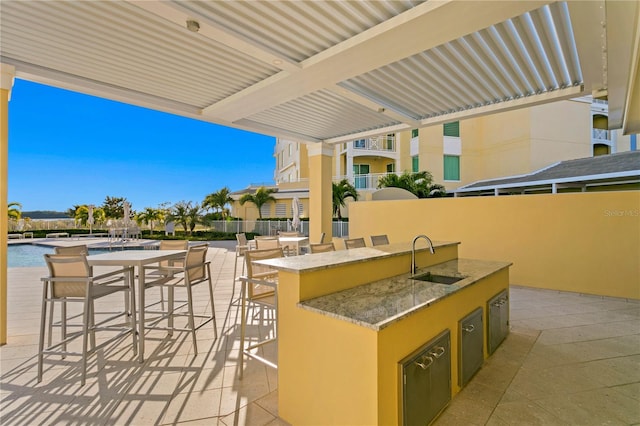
(468, 328)
(424, 360)
(438, 352)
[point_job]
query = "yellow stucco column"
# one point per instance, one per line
(320, 191)
(7, 73)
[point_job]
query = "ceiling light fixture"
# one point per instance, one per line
(193, 25)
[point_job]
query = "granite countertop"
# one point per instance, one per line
(326, 260)
(379, 304)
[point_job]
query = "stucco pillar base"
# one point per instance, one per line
(320, 191)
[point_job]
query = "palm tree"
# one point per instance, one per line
(71, 212)
(341, 191)
(149, 216)
(195, 216)
(420, 184)
(179, 214)
(14, 210)
(259, 198)
(217, 200)
(82, 214)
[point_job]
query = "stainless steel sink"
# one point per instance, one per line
(435, 278)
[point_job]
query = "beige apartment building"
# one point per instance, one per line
(457, 154)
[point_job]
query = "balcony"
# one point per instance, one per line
(385, 143)
(368, 181)
(600, 137)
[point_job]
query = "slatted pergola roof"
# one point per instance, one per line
(331, 70)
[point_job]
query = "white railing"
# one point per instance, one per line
(379, 143)
(600, 134)
(271, 227)
(364, 181)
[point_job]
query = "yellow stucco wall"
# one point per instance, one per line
(508, 143)
(580, 242)
(559, 131)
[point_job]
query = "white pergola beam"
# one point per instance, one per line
(414, 31)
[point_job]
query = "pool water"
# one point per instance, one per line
(26, 255)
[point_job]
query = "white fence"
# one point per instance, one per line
(271, 227)
(262, 227)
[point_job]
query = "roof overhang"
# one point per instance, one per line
(331, 71)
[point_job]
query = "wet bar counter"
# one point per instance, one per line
(347, 318)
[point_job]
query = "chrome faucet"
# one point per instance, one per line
(413, 251)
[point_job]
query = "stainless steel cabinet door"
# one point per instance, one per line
(426, 376)
(498, 318)
(471, 338)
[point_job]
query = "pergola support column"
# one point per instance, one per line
(320, 191)
(7, 74)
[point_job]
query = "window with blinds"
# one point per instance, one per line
(281, 210)
(415, 164)
(451, 129)
(451, 167)
(265, 210)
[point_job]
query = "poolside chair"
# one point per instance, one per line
(78, 250)
(265, 243)
(354, 243)
(68, 250)
(322, 248)
(173, 245)
(379, 240)
(289, 234)
(195, 270)
(71, 280)
(242, 246)
(259, 289)
(168, 245)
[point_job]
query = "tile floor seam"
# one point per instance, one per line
(508, 384)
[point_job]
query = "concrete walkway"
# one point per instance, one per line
(570, 360)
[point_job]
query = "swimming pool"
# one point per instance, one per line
(26, 255)
(29, 255)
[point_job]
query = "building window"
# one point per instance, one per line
(360, 172)
(414, 133)
(281, 210)
(360, 143)
(451, 129)
(601, 149)
(634, 142)
(451, 167)
(415, 164)
(388, 145)
(290, 150)
(266, 210)
(391, 167)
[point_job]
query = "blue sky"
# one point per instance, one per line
(66, 148)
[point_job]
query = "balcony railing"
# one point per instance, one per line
(600, 134)
(379, 143)
(363, 181)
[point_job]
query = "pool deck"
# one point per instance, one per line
(569, 359)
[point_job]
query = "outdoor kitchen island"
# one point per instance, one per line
(356, 332)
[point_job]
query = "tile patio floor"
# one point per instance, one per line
(569, 360)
